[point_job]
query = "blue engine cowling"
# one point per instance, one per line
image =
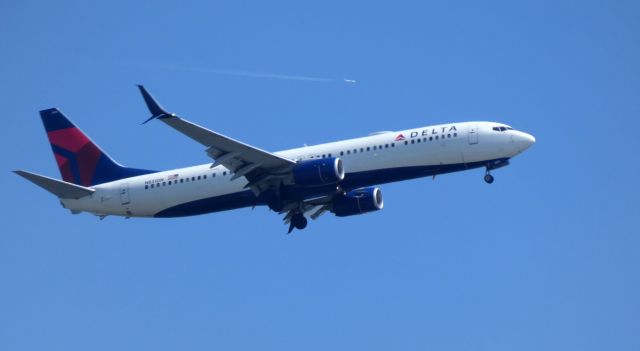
(318, 172)
(357, 202)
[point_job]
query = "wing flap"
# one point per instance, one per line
(223, 145)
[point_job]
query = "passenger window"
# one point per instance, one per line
(386, 146)
(393, 144)
(361, 149)
(368, 148)
(169, 182)
(430, 138)
(448, 135)
(355, 151)
(413, 141)
(406, 142)
(436, 137)
(418, 140)
(146, 187)
(341, 153)
(164, 183)
(455, 135)
(152, 186)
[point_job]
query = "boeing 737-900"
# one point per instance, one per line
(339, 177)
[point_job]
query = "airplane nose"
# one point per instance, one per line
(530, 139)
(525, 140)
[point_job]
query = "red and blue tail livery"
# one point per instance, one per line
(339, 177)
(79, 159)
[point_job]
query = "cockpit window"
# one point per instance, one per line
(501, 129)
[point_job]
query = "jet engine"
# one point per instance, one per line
(357, 202)
(318, 172)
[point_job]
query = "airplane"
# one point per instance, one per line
(340, 177)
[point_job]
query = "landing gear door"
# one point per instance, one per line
(473, 134)
(125, 199)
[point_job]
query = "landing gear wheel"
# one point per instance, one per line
(488, 178)
(299, 221)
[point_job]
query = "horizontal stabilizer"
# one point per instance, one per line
(59, 188)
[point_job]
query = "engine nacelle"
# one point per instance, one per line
(318, 172)
(357, 202)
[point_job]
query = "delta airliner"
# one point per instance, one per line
(339, 177)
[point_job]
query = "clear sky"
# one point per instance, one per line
(546, 258)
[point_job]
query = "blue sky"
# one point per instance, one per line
(545, 258)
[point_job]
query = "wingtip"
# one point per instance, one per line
(154, 107)
(148, 119)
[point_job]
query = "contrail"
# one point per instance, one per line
(267, 75)
(229, 72)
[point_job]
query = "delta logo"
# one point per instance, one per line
(400, 137)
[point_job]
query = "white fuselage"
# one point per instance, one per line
(467, 143)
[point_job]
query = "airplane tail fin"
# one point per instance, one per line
(79, 159)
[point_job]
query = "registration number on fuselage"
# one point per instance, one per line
(153, 181)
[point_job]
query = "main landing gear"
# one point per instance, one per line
(298, 221)
(488, 178)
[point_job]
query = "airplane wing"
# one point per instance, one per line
(257, 165)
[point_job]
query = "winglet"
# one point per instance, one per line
(154, 107)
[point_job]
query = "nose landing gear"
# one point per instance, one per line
(488, 178)
(495, 164)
